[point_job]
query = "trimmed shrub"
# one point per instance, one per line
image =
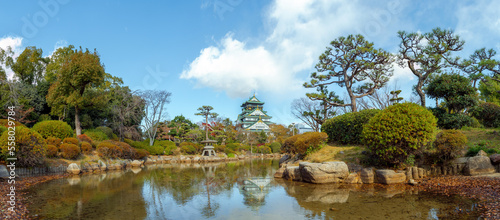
(53, 128)
(108, 149)
(230, 155)
(303, 144)
(86, 148)
(31, 147)
(84, 138)
(141, 153)
(451, 121)
(220, 148)
(54, 141)
(264, 149)
(69, 151)
(96, 135)
(70, 141)
(108, 131)
(5, 123)
(155, 150)
(275, 147)
(233, 146)
(188, 148)
(2, 129)
(488, 114)
(449, 144)
(399, 131)
(228, 151)
(348, 128)
(486, 146)
(52, 151)
(167, 145)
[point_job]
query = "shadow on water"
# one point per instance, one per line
(236, 190)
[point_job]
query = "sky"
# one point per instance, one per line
(222, 52)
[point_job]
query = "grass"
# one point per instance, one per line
(349, 153)
(489, 138)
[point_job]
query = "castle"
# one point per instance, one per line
(253, 117)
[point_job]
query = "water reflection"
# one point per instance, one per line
(236, 190)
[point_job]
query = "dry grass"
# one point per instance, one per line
(337, 153)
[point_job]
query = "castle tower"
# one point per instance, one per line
(253, 117)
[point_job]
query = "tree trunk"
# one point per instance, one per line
(354, 108)
(78, 128)
(206, 127)
(420, 92)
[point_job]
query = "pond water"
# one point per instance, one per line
(235, 190)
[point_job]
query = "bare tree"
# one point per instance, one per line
(155, 101)
(309, 112)
(128, 109)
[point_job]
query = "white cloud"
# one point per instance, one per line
(15, 44)
(300, 31)
(479, 23)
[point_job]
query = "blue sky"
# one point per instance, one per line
(221, 52)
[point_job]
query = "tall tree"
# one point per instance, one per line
(155, 101)
(456, 90)
(127, 110)
(426, 54)
(205, 111)
(351, 60)
(29, 66)
(75, 81)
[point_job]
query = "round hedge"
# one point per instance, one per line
(53, 128)
(449, 144)
(70, 140)
(5, 123)
(31, 147)
(348, 128)
(52, 150)
(275, 147)
(69, 151)
(399, 131)
(86, 148)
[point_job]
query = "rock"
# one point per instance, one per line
(353, 178)
(327, 172)
(367, 175)
(284, 158)
(95, 167)
(460, 160)
(414, 173)
(495, 159)
(409, 173)
(135, 170)
(4, 173)
(292, 173)
(421, 172)
(412, 182)
(390, 177)
(102, 165)
(136, 163)
(479, 165)
(73, 169)
(481, 153)
(279, 173)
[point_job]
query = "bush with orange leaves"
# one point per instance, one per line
(70, 151)
(303, 144)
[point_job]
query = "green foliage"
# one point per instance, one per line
(446, 120)
(488, 114)
(263, 149)
(86, 148)
(449, 144)
(489, 90)
(188, 148)
(399, 131)
(30, 149)
(141, 153)
(456, 90)
(70, 140)
(302, 143)
(348, 128)
(2, 129)
(230, 155)
(96, 135)
(54, 141)
(69, 151)
(52, 150)
(108, 131)
(5, 123)
(484, 146)
(233, 146)
(168, 146)
(275, 147)
(53, 128)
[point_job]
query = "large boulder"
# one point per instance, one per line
(353, 178)
(495, 159)
(102, 165)
(479, 165)
(73, 169)
(390, 177)
(136, 163)
(279, 172)
(327, 172)
(367, 175)
(482, 153)
(292, 173)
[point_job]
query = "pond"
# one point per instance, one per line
(234, 190)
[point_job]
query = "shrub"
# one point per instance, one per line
(275, 147)
(69, 151)
(233, 146)
(155, 149)
(2, 129)
(5, 123)
(230, 155)
(108, 131)
(449, 144)
(141, 153)
(228, 151)
(188, 148)
(220, 148)
(96, 135)
(264, 149)
(70, 141)
(52, 150)
(399, 131)
(84, 138)
(446, 120)
(54, 141)
(53, 128)
(488, 114)
(486, 146)
(348, 128)
(304, 143)
(86, 148)
(31, 147)
(109, 149)
(167, 145)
